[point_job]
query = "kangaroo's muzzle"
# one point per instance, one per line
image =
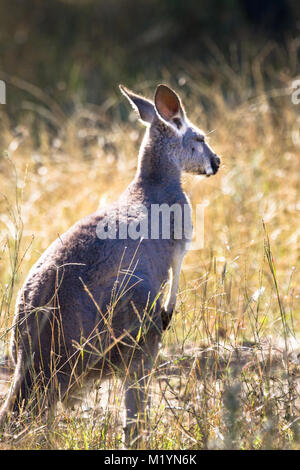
(212, 166)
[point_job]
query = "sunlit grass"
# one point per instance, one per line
(226, 377)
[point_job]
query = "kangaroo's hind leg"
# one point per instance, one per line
(138, 378)
(137, 403)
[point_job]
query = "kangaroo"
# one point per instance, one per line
(92, 305)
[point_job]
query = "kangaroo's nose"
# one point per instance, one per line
(215, 163)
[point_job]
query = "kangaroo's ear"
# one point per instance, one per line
(167, 103)
(142, 105)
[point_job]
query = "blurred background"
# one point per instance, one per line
(69, 143)
(234, 64)
(81, 49)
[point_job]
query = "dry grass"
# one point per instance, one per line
(227, 376)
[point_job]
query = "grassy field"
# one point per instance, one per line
(228, 371)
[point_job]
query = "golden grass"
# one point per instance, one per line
(232, 301)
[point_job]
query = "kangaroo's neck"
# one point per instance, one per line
(155, 165)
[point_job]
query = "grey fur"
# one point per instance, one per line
(92, 307)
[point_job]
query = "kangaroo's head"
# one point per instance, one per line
(177, 136)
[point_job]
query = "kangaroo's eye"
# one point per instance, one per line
(200, 138)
